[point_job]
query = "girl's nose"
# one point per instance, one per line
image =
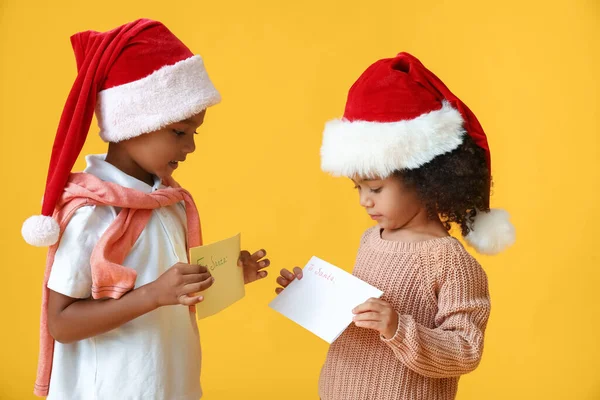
(365, 200)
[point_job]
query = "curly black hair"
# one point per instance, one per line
(454, 185)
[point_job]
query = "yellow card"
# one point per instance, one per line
(221, 260)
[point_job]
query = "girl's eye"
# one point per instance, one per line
(376, 190)
(179, 133)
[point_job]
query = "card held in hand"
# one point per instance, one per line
(220, 259)
(322, 301)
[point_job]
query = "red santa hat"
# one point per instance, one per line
(138, 78)
(400, 116)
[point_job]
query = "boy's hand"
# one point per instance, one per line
(378, 315)
(180, 283)
(253, 265)
(286, 277)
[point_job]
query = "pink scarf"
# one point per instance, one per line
(109, 277)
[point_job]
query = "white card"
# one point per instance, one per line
(322, 301)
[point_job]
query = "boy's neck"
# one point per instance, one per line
(125, 163)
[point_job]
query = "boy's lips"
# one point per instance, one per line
(175, 164)
(375, 216)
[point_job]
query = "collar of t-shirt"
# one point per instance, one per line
(97, 166)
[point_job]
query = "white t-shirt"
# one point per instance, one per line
(153, 357)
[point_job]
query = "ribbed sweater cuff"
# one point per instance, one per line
(400, 334)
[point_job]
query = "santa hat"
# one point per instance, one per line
(400, 116)
(138, 78)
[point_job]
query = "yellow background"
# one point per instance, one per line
(529, 69)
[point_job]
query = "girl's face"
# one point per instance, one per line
(388, 201)
(157, 153)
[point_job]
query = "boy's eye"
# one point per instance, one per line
(376, 190)
(181, 133)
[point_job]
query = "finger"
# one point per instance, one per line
(367, 325)
(195, 278)
(378, 301)
(298, 272)
(287, 274)
(262, 274)
(278, 290)
(181, 268)
(206, 283)
(282, 281)
(202, 269)
(381, 306)
(368, 305)
(187, 269)
(264, 264)
(364, 307)
(244, 256)
(258, 255)
(198, 287)
(189, 300)
(367, 316)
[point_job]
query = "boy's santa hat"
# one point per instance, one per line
(138, 78)
(400, 116)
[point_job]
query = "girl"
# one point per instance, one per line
(120, 231)
(420, 162)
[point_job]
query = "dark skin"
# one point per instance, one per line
(153, 154)
(401, 216)
(415, 205)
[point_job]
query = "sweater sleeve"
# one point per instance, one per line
(454, 347)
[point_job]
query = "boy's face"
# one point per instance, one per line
(160, 152)
(388, 201)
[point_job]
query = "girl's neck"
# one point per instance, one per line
(419, 228)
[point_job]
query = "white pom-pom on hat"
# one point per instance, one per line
(40, 231)
(491, 232)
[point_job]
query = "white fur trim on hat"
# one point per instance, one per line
(491, 232)
(170, 94)
(377, 149)
(40, 231)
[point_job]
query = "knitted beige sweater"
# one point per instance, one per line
(441, 295)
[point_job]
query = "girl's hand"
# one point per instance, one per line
(253, 265)
(378, 315)
(286, 277)
(180, 281)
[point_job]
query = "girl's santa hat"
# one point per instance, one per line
(400, 116)
(138, 78)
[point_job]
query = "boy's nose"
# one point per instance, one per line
(190, 145)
